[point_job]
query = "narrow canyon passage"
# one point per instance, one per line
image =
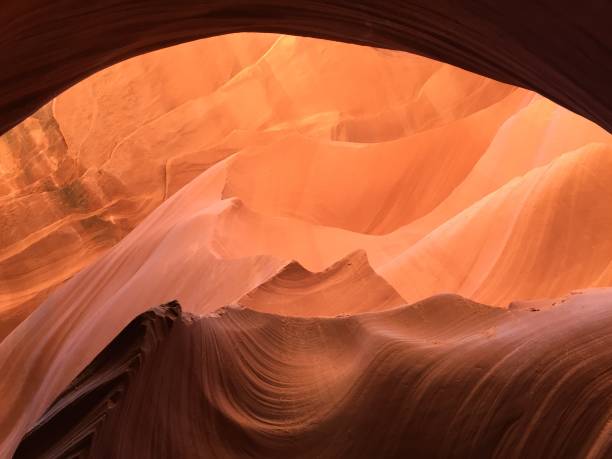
(352, 234)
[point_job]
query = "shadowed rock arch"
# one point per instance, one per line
(559, 48)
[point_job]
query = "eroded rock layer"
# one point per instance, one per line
(445, 377)
(295, 291)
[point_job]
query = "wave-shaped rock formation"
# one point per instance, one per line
(450, 378)
(559, 49)
(443, 151)
(87, 168)
(295, 291)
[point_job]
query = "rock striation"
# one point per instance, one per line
(449, 377)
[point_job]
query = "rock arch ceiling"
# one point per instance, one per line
(560, 49)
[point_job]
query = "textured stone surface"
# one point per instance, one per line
(445, 377)
(253, 177)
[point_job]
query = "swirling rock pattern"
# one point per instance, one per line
(558, 48)
(449, 377)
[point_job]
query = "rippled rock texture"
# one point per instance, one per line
(445, 377)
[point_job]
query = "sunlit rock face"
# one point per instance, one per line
(89, 166)
(66, 193)
(298, 177)
(426, 141)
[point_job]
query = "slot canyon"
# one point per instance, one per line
(276, 229)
